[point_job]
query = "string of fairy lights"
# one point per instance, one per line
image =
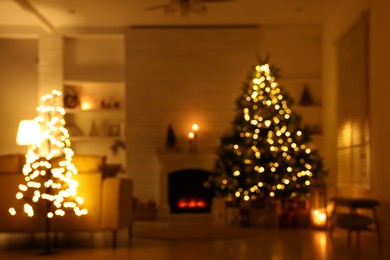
(48, 170)
(268, 158)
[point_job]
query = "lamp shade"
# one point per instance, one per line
(29, 132)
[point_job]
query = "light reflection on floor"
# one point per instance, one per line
(273, 244)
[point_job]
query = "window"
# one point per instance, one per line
(353, 143)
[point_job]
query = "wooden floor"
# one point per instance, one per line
(273, 244)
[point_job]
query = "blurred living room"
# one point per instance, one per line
(194, 129)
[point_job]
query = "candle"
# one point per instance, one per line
(87, 102)
(191, 136)
(85, 106)
(195, 128)
(318, 217)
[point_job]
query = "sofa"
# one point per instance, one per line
(108, 199)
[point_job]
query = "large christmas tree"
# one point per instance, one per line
(266, 153)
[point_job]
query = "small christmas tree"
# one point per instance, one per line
(266, 154)
(49, 189)
(171, 138)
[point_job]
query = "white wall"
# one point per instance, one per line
(379, 96)
(94, 58)
(186, 75)
(18, 88)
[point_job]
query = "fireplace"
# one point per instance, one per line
(187, 192)
(176, 169)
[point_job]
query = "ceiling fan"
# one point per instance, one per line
(185, 6)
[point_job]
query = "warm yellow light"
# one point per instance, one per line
(265, 68)
(59, 212)
(318, 217)
(85, 106)
(191, 135)
(22, 187)
(195, 127)
(12, 211)
(19, 195)
(29, 133)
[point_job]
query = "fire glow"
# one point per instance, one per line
(191, 203)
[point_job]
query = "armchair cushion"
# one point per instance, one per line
(12, 163)
(88, 163)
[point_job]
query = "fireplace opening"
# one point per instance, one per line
(187, 193)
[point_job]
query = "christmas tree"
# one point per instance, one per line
(265, 155)
(49, 189)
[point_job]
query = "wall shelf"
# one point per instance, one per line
(94, 110)
(95, 138)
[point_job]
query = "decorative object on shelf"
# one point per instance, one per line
(49, 191)
(94, 129)
(171, 141)
(306, 98)
(117, 145)
(74, 130)
(71, 97)
(110, 104)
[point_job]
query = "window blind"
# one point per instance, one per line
(353, 144)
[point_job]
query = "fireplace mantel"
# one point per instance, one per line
(172, 161)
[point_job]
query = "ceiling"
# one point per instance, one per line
(58, 14)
